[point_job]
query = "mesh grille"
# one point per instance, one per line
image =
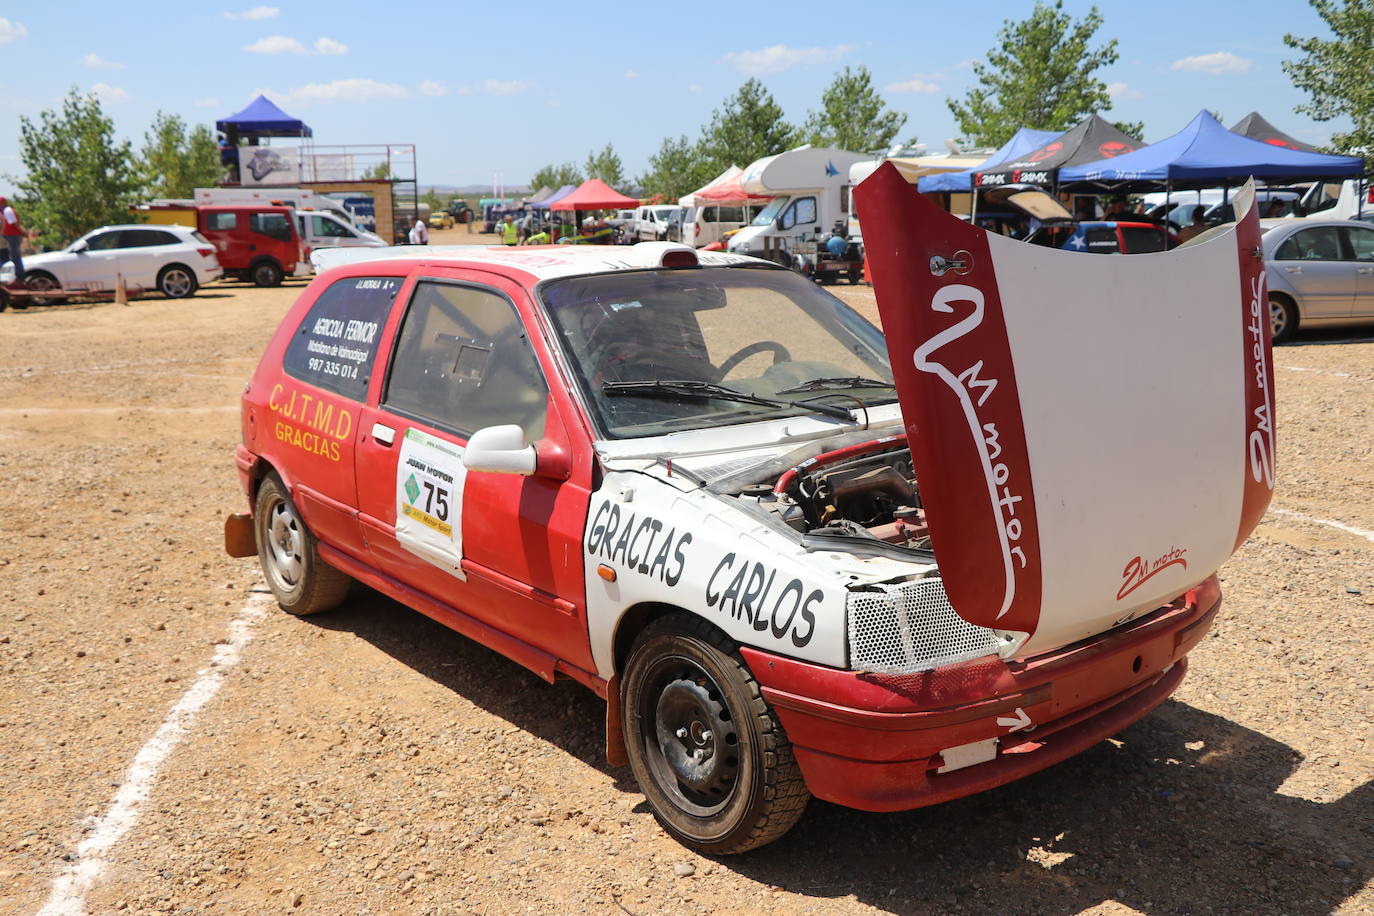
(905, 627)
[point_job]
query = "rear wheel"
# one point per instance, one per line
(856, 275)
(706, 749)
(266, 273)
(177, 281)
(288, 551)
(1283, 318)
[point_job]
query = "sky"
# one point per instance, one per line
(494, 91)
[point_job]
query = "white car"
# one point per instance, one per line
(325, 230)
(652, 223)
(174, 260)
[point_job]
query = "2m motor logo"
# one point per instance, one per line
(1137, 572)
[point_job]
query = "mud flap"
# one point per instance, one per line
(1093, 435)
(239, 540)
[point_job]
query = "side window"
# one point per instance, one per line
(336, 345)
(1141, 239)
(318, 226)
(788, 218)
(105, 241)
(1320, 244)
(806, 210)
(1361, 242)
(221, 222)
(272, 225)
(463, 361)
(146, 238)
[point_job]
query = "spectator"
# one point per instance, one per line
(1117, 209)
(538, 238)
(13, 234)
(510, 233)
(1275, 209)
(1195, 228)
(419, 233)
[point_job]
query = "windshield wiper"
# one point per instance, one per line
(669, 388)
(826, 383)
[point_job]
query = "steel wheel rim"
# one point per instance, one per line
(1278, 318)
(690, 740)
(176, 283)
(285, 542)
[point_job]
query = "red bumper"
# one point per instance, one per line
(874, 742)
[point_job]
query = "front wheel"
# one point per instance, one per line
(266, 273)
(287, 549)
(706, 749)
(1283, 319)
(176, 281)
(40, 281)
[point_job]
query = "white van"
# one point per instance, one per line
(810, 190)
(323, 229)
(652, 223)
(708, 223)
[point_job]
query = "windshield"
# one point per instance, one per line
(770, 212)
(757, 332)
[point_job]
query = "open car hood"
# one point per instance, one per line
(1092, 436)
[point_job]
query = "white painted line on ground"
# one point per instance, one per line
(1331, 372)
(126, 408)
(1349, 529)
(68, 897)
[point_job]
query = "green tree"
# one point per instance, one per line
(381, 170)
(605, 165)
(1335, 72)
(747, 127)
(679, 167)
(78, 176)
(555, 176)
(853, 116)
(1041, 75)
(432, 198)
(175, 161)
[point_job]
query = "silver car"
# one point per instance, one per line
(1320, 272)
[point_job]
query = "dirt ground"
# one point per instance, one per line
(370, 761)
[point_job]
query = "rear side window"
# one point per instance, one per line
(1361, 242)
(221, 222)
(1142, 238)
(147, 238)
(1320, 244)
(336, 345)
(272, 225)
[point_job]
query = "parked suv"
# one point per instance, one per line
(1104, 236)
(174, 260)
(255, 243)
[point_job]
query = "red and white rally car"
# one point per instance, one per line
(795, 558)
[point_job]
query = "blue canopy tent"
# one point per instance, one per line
(1206, 155)
(262, 118)
(553, 198)
(1021, 142)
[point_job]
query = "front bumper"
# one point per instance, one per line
(874, 742)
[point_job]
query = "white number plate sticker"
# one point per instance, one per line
(429, 500)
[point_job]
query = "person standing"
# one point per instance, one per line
(13, 235)
(510, 233)
(419, 233)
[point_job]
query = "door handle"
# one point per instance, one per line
(383, 433)
(1365, 270)
(1292, 270)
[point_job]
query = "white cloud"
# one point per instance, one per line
(506, 87)
(1123, 93)
(330, 46)
(777, 58)
(96, 62)
(1216, 63)
(257, 12)
(915, 84)
(631, 75)
(694, 88)
(276, 44)
(432, 89)
(109, 93)
(465, 89)
(9, 31)
(349, 90)
(207, 103)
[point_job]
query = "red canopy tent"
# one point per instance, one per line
(595, 194)
(731, 190)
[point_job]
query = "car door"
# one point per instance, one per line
(1325, 278)
(95, 267)
(1361, 242)
(144, 252)
(501, 548)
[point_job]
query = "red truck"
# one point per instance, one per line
(255, 242)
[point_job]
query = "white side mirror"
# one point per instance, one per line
(78, 247)
(501, 450)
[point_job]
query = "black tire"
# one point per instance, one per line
(4, 299)
(856, 275)
(1283, 318)
(709, 755)
(266, 273)
(300, 580)
(177, 281)
(40, 280)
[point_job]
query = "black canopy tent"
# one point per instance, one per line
(1256, 127)
(1087, 141)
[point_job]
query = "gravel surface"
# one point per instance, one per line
(370, 761)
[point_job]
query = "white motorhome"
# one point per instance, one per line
(810, 190)
(291, 197)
